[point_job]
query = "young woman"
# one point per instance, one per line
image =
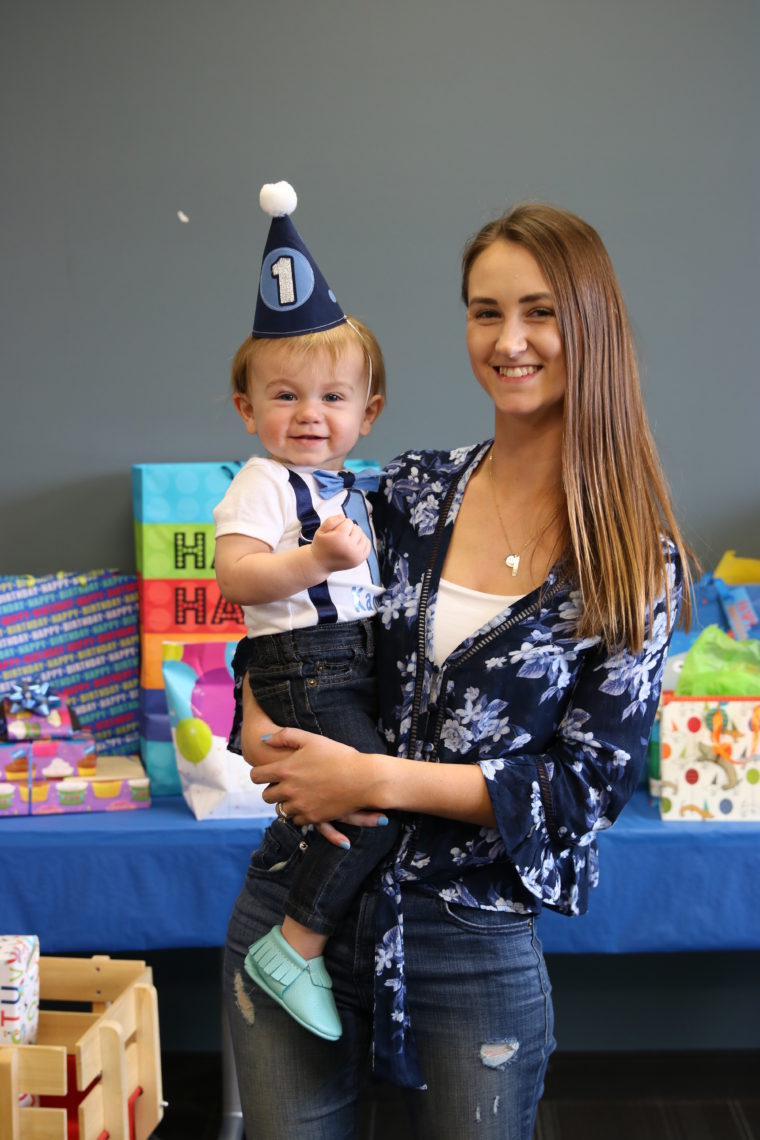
(532, 582)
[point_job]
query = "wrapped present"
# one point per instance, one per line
(32, 710)
(709, 758)
(22, 761)
(46, 777)
(173, 507)
(19, 988)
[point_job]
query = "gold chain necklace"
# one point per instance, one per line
(512, 561)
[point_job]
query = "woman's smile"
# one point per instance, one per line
(523, 372)
(520, 375)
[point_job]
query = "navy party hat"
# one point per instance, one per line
(294, 298)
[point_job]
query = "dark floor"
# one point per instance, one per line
(589, 1096)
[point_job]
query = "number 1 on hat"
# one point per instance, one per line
(283, 271)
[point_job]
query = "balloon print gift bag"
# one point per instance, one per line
(198, 682)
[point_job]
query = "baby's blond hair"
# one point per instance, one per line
(332, 341)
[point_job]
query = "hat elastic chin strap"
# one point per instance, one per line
(369, 360)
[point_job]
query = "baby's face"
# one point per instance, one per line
(308, 410)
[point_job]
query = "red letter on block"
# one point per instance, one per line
(225, 611)
(196, 605)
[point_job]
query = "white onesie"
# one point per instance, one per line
(282, 506)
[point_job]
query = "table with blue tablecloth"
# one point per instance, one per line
(157, 878)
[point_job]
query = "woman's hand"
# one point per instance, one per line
(316, 779)
(260, 751)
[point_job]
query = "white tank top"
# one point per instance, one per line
(459, 612)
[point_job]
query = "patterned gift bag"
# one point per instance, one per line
(709, 758)
(179, 597)
(78, 634)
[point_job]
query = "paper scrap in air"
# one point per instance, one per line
(182, 216)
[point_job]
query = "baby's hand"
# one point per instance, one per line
(340, 544)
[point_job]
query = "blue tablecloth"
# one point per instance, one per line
(157, 878)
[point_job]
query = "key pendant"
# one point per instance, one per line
(513, 562)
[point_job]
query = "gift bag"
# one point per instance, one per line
(710, 758)
(179, 597)
(198, 684)
(78, 634)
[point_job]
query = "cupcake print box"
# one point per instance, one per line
(49, 777)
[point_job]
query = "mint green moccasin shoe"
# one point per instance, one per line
(301, 986)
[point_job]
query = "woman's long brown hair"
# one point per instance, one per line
(618, 500)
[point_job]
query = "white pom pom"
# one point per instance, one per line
(278, 199)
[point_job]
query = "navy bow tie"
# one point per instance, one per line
(332, 482)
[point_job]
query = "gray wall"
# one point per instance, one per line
(402, 126)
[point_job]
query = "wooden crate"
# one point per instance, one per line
(114, 1045)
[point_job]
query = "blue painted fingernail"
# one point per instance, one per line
(345, 845)
(382, 821)
(267, 736)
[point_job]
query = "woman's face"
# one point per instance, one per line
(513, 338)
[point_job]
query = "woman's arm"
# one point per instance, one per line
(318, 779)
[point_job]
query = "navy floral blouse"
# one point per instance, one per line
(558, 725)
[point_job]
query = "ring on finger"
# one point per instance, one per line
(280, 810)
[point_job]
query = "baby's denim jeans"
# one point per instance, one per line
(322, 679)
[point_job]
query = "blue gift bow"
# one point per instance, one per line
(332, 482)
(35, 698)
